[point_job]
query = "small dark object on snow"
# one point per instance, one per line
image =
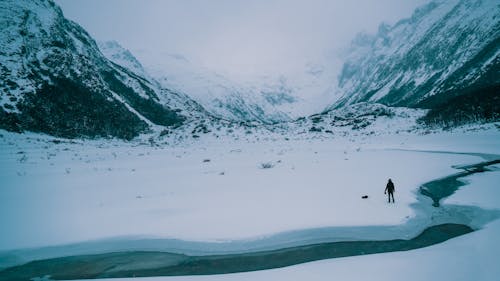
(267, 165)
(206, 160)
(364, 196)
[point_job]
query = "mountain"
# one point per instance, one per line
(219, 95)
(113, 51)
(122, 57)
(265, 99)
(55, 80)
(446, 54)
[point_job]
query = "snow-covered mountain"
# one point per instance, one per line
(444, 50)
(122, 57)
(55, 80)
(220, 96)
(113, 51)
(446, 53)
(361, 118)
(265, 99)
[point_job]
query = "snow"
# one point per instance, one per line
(468, 26)
(215, 190)
(117, 54)
(121, 100)
(222, 204)
(298, 94)
(246, 187)
(479, 191)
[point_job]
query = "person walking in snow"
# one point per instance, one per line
(389, 189)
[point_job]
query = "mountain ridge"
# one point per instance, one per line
(56, 81)
(444, 47)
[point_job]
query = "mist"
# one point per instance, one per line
(241, 39)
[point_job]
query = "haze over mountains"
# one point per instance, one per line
(57, 80)
(266, 98)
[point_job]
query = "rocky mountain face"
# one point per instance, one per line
(446, 54)
(55, 80)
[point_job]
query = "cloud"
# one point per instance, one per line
(238, 37)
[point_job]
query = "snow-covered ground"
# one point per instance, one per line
(218, 190)
(470, 257)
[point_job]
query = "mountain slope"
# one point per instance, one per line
(55, 80)
(123, 58)
(446, 49)
(220, 96)
(266, 98)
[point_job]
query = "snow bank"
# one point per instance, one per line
(469, 257)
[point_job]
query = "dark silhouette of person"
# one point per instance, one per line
(389, 189)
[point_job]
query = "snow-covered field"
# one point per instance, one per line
(224, 190)
(470, 257)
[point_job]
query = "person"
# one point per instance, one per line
(389, 189)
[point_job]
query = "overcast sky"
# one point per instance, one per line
(242, 37)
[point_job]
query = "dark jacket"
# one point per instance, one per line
(390, 187)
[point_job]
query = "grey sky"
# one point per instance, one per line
(242, 37)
